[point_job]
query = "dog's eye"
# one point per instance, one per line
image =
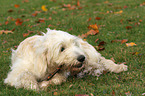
(62, 49)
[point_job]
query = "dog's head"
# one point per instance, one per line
(63, 48)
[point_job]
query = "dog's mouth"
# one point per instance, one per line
(78, 65)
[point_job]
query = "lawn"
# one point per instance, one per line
(120, 22)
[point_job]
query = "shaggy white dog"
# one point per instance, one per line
(38, 56)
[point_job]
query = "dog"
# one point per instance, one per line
(38, 56)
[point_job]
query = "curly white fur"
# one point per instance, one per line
(38, 56)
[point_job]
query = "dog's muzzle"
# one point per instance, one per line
(78, 65)
(81, 58)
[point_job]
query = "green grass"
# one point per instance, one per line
(131, 82)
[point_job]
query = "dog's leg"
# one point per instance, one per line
(56, 80)
(29, 81)
(24, 79)
(111, 66)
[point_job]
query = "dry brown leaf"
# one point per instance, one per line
(128, 27)
(130, 44)
(81, 95)
(98, 18)
(5, 31)
(102, 43)
(115, 41)
(95, 27)
(34, 14)
(92, 32)
(6, 22)
(25, 34)
(101, 49)
(96, 40)
(16, 6)
(124, 41)
(18, 21)
(10, 10)
(67, 5)
(89, 19)
(83, 35)
(55, 93)
(78, 3)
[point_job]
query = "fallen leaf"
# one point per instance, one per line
(124, 41)
(125, 7)
(54, 12)
(34, 14)
(142, 4)
(95, 27)
(25, 34)
(70, 29)
(50, 18)
(5, 31)
(6, 22)
(80, 8)
(78, 3)
(70, 85)
(30, 32)
(55, 93)
(115, 41)
(102, 43)
(119, 12)
(106, 2)
(130, 44)
(92, 32)
(25, 1)
(89, 19)
(113, 92)
(96, 40)
(128, 27)
(140, 20)
(81, 95)
(135, 53)
(43, 7)
(10, 10)
(16, 6)
(4, 42)
(83, 35)
(121, 21)
(10, 18)
(67, 5)
(49, 25)
(26, 20)
(13, 29)
(98, 18)
(91, 94)
(18, 21)
(128, 93)
(40, 20)
(101, 49)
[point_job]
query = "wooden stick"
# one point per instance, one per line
(53, 73)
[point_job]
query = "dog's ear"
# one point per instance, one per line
(42, 59)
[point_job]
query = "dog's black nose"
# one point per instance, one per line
(81, 58)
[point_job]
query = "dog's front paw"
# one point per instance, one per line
(124, 67)
(44, 84)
